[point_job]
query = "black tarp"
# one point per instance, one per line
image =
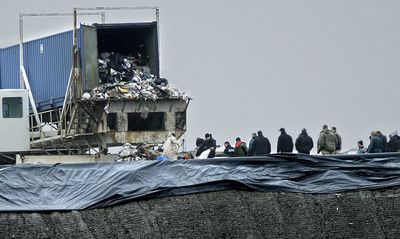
(86, 186)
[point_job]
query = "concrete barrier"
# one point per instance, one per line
(66, 159)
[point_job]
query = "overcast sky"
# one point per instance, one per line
(265, 64)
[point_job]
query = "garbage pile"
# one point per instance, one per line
(137, 153)
(129, 77)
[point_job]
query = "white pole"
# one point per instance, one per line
(31, 99)
(158, 40)
(21, 49)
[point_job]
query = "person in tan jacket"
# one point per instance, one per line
(327, 141)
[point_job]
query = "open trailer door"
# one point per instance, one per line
(89, 56)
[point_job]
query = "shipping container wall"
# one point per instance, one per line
(9, 72)
(47, 63)
(89, 57)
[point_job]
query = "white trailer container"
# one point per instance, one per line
(14, 120)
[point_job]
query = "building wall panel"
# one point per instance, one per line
(47, 62)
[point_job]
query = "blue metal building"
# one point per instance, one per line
(47, 63)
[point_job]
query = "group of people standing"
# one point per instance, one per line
(329, 142)
(257, 145)
(379, 143)
(260, 145)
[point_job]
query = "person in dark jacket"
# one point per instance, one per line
(199, 143)
(240, 148)
(261, 145)
(285, 142)
(394, 142)
(199, 146)
(251, 142)
(229, 150)
(375, 143)
(384, 140)
(304, 143)
(209, 143)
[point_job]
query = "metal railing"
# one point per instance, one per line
(49, 128)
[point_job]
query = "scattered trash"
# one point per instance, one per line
(129, 77)
(86, 96)
(137, 153)
(162, 157)
(204, 155)
(127, 153)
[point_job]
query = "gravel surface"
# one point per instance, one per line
(226, 214)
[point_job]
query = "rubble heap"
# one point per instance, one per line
(137, 153)
(129, 77)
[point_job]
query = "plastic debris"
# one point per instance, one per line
(137, 153)
(86, 96)
(162, 157)
(127, 153)
(129, 77)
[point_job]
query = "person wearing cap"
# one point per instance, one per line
(171, 146)
(261, 145)
(394, 142)
(339, 140)
(285, 142)
(209, 143)
(375, 143)
(304, 142)
(361, 148)
(327, 141)
(229, 150)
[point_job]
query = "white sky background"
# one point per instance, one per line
(253, 65)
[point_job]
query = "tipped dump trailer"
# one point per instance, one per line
(131, 113)
(48, 60)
